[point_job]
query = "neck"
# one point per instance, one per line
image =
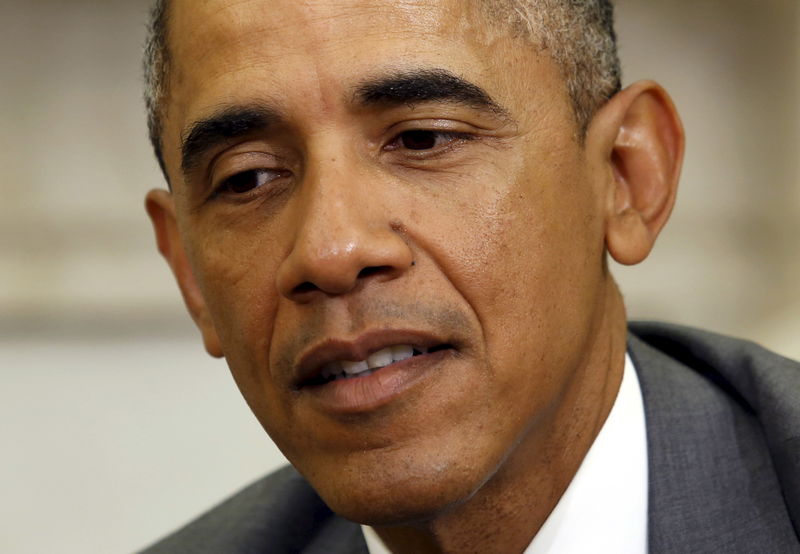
(509, 509)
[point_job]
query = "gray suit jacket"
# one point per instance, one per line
(723, 431)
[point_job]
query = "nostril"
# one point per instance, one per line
(304, 287)
(374, 270)
(340, 282)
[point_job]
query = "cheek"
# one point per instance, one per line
(236, 274)
(521, 251)
(526, 253)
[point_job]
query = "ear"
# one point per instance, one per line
(160, 207)
(639, 137)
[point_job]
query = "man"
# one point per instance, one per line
(392, 219)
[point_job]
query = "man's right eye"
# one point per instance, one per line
(247, 181)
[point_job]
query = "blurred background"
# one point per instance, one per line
(116, 427)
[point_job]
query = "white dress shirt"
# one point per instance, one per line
(604, 508)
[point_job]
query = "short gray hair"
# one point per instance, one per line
(578, 34)
(156, 76)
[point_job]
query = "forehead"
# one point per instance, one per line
(227, 35)
(316, 51)
(319, 18)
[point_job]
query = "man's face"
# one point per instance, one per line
(364, 180)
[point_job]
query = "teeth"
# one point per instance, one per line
(380, 358)
(343, 369)
(402, 352)
(351, 368)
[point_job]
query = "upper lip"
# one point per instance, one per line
(312, 360)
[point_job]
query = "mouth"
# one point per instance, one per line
(352, 376)
(337, 370)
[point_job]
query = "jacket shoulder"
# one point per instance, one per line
(278, 513)
(762, 382)
(725, 399)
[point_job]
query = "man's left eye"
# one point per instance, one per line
(247, 181)
(423, 140)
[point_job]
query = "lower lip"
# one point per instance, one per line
(370, 392)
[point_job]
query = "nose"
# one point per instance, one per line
(343, 238)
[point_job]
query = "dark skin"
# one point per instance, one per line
(405, 175)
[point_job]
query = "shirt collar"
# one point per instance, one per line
(604, 508)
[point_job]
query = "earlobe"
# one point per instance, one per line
(161, 209)
(642, 143)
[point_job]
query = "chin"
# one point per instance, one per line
(398, 493)
(393, 505)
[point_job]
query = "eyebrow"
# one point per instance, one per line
(220, 127)
(427, 85)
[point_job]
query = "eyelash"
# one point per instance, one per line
(224, 187)
(453, 138)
